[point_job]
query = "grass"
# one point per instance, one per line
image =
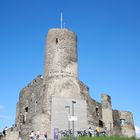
(103, 138)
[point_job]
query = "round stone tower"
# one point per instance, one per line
(61, 66)
(60, 72)
(61, 54)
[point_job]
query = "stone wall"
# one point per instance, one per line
(94, 108)
(107, 113)
(62, 109)
(61, 53)
(29, 106)
(123, 123)
(12, 134)
(34, 108)
(116, 123)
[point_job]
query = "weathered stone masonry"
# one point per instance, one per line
(38, 100)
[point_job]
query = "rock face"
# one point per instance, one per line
(40, 101)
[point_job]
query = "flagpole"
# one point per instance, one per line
(61, 20)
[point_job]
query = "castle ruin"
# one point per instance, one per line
(46, 102)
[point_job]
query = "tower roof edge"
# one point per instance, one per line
(60, 29)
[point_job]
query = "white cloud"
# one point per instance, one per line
(1, 107)
(137, 131)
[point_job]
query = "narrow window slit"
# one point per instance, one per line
(56, 40)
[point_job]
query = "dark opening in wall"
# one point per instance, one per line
(26, 109)
(25, 115)
(97, 111)
(35, 105)
(56, 40)
(101, 124)
(122, 122)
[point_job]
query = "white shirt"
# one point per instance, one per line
(37, 132)
(32, 134)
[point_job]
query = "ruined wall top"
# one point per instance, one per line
(61, 53)
(105, 98)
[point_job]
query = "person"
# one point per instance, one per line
(32, 135)
(97, 131)
(19, 138)
(90, 132)
(45, 135)
(37, 134)
(5, 131)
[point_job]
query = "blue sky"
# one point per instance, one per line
(108, 48)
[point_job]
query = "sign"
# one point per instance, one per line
(56, 131)
(72, 118)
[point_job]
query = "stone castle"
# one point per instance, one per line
(46, 102)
